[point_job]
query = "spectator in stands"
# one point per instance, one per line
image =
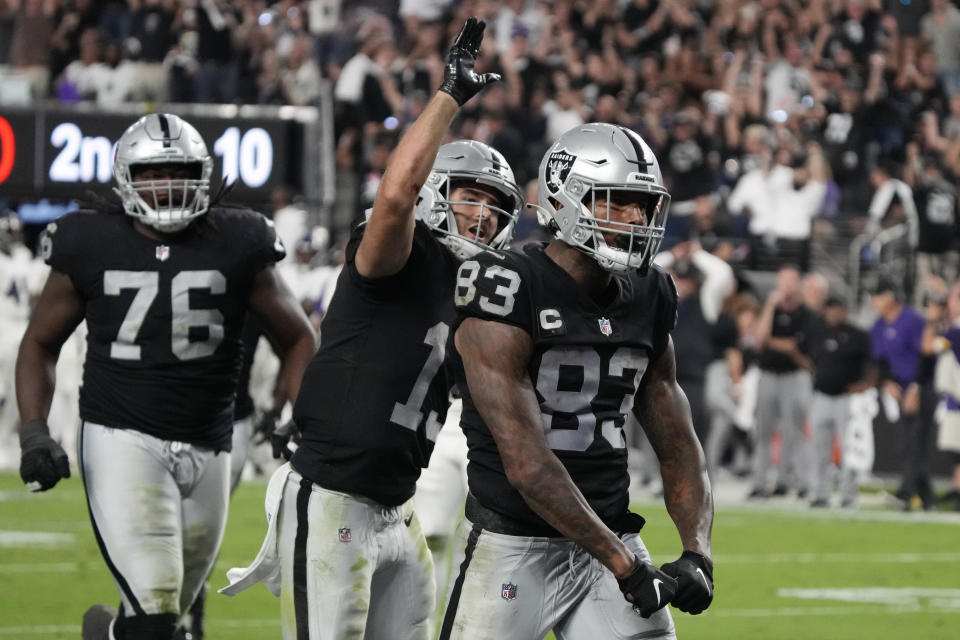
(784, 389)
(216, 78)
(944, 321)
(941, 27)
(566, 110)
(814, 289)
(938, 224)
(85, 77)
(72, 19)
(893, 204)
(152, 30)
(300, 81)
(119, 81)
(896, 340)
(840, 353)
(781, 202)
(685, 162)
(33, 27)
(731, 386)
(703, 283)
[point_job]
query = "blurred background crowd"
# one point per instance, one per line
(776, 121)
(820, 134)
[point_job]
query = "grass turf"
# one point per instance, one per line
(51, 571)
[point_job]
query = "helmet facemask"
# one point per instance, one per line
(176, 187)
(480, 234)
(619, 246)
(170, 204)
(472, 165)
(593, 182)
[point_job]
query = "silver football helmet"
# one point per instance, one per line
(469, 163)
(604, 163)
(166, 205)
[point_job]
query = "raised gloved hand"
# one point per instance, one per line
(694, 574)
(459, 78)
(42, 460)
(648, 588)
(282, 438)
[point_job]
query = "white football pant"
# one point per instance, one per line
(519, 588)
(159, 509)
(351, 567)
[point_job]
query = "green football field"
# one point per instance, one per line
(782, 572)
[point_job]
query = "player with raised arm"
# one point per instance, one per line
(344, 549)
(164, 290)
(558, 344)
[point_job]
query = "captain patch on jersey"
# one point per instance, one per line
(586, 368)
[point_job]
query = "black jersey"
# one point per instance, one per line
(586, 366)
(376, 393)
(163, 317)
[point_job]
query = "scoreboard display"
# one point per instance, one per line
(61, 154)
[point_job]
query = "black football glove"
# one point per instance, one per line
(282, 438)
(42, 460)
(694, 574)
(459, 78)
(265, 426)
(649, 589)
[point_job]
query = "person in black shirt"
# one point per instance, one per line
(938, 224)
(558, 345)
(344, 548)
(164, 283)
(784, 388)
(840, 353)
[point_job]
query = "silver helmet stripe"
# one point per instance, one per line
(165, 128)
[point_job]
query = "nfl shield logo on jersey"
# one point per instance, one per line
(162, 253)
(344, 534)
(508, 591)
(605, 327)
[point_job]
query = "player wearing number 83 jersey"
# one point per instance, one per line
(557, 345)
(586, 366)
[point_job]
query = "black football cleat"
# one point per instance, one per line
(96, 622)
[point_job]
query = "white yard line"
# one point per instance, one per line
(34, 538)
(774, 612)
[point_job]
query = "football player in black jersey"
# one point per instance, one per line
(344, 549)
(164, 290)
(557, 345)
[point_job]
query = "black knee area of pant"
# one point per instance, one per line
(158, 626)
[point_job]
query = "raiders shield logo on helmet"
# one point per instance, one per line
(558, 167)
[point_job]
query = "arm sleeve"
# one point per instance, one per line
(494, 289)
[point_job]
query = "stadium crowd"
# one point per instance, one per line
(780, 126)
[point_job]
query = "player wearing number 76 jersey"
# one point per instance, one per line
(164, 290)
(344, 549)
(558, 344)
